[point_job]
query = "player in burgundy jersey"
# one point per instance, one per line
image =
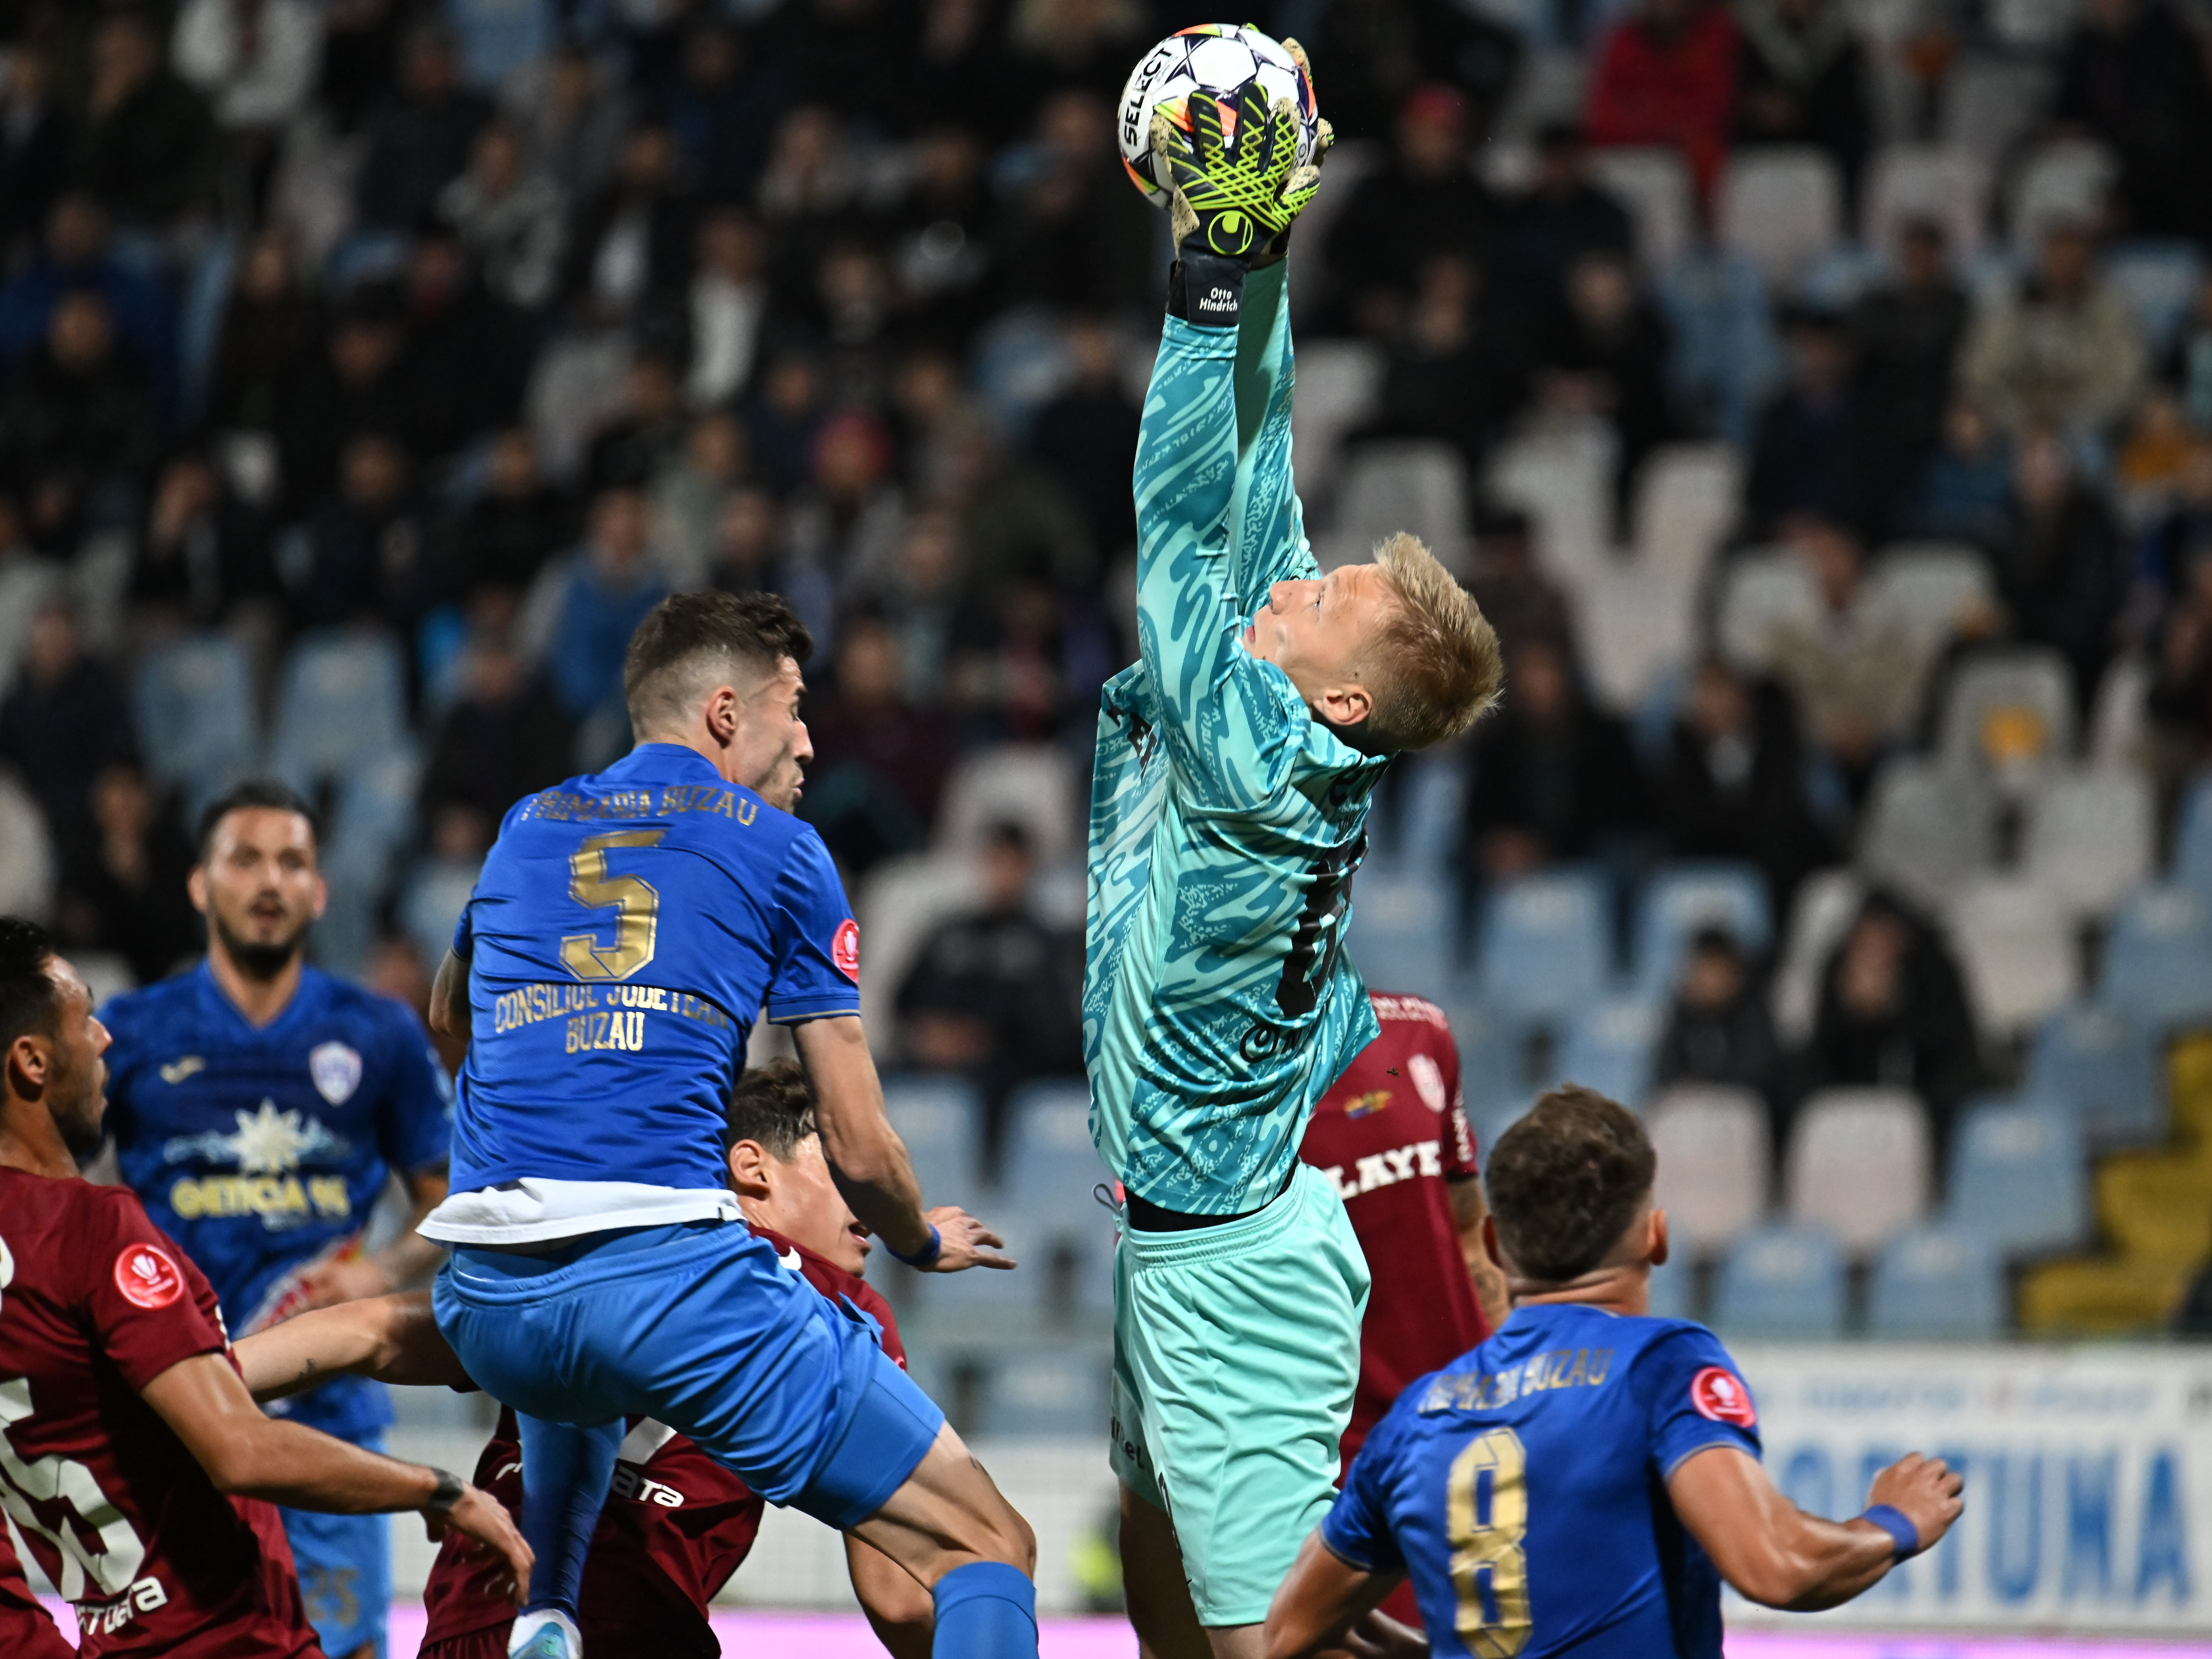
(133, 1462)
(679, 1523)
(1393, 1134)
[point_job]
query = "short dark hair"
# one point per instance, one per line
(1565, 1181)
(772, 1104)
(689, 634)
(28, 1000)
(255, 792)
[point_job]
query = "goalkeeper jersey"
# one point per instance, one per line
(1225, 821)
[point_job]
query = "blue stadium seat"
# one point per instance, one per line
(2103, 1064)
(2193, 842)
(1057, 1392)
(1682, 898)
(1045, 1209)
(1544, 953)
(343, 699)
(1937, 1282)
(1402, 933)
(2018, 1177)
(1784, 1281)
(1491, 1058)
(2158, 280)
(1610, 1048)
(2158, 960)
(194, 706)
(1673, 1291)
(431, 901)
(940, 1120)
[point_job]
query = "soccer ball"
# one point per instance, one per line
(1221, 58)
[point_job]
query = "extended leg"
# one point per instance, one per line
(565, 1471)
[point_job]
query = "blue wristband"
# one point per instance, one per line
(1892, 1520)
(926, 1258)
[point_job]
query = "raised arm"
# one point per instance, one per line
(1779, 1556)
(393, 1339)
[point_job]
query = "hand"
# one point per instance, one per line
(1378, 1636)
(1924, 1490)
(1233, 184)
(478, 1514)
(349, 1280)
(962, 1241)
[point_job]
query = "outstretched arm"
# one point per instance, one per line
(1324, 1597)
(393, 1339)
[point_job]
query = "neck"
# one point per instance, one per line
(261, 1000)
(700, 743)
(1618, 1290)
(29, 1141)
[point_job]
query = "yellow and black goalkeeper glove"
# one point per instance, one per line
(1235, 191)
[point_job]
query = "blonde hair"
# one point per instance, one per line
(1434, 668)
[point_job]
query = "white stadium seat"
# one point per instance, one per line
(1935, 182)
(1654, 185)
(1782, 209)
(1858, 1165)
(1714, 1157)
(2090, 836)
(2016, 944)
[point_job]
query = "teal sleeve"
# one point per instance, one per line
(1270, 528)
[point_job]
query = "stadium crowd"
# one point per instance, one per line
(1817, 396)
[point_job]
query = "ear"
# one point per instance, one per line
(322, 896)
(195, 889)
(748, 1161)
(1656, 1248)
(1490, 1242)
(721, 714)
(1345, 705)
(29, 1065)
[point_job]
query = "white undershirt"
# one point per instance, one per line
(536, 1211)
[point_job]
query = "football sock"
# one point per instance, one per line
(565, 1471)
(985, 1610)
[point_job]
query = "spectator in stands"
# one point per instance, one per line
(611, 582)
(2188, 368)
(77, 425)
(354, 382)
(1455, 371)
(844, 523)
(749, 549)
(1072, 233)
(1666, 74)
(203, 556)
(1802, 79)
(2180, 699)
(468, 351)
(62, 722)
(1426, 202)
(1604, 354)
(1517, 598)
(646, 433)
(879, 762)
(254, 62)
(503, 739)
(1718, 1030)
(504, 538)
(1856, 669)
(123, 886)
(268, 324)
(786, 408)
(513, 221)
(1735, 783)
(1087, 46)
(724, 105)
(2062, 564)
(2134, 75)
(1818, 449)
(569, 109)
(372, 554)
(1554, 776)
(995, 993)
(420, 141)
(922, 600)
(728, 301)
(78, 254)
(1558, 219)
(809, 192)
(1965, 487)
(938, 235)
(687, 493)
(1373, 54)
(2066, 350)
(37, 146)
(147, 149)
(1893, 1014)
(1086, 436)
(1906, 334)
(2174, 540)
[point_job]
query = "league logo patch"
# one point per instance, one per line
(845, 950)
(1428, 1082)
(1719, 1394)
(146, 1276)
(336, 1070)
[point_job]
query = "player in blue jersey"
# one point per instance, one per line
(1581, 1482)
(628, 929)
(260, 1106)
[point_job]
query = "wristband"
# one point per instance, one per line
(447, 1493)
(1892, 1520)
(1206, 290)
(925, 1257)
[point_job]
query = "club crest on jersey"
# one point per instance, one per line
(336, 1070)
(1373, 1101)
(1719, 1394)
(146, 1276)
(845, 950)
(1428, 1082)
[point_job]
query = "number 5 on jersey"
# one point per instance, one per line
(1487, 1511)
(636, 903)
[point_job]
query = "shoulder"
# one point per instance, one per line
(149, 1006)
(1395, 1010)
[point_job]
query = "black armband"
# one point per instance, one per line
(1206, 290)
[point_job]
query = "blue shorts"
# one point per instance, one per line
(700, 1328)
(344, 1563)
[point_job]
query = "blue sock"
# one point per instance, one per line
(565, 1471)
(985, 1610)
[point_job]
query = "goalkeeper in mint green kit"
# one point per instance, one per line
(1235, 760)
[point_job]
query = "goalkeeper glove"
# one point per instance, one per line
(1233, 192)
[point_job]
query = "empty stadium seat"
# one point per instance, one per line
(431, 901)
(1714, 1157)
(2160, 281)
(2192, 841)
(1654, 185)
(1414, 485)
(1047, 1198)
(342, 701)
(2158, 958)
(1543, 953)
(1937, 585)
(941, 1122)
(2015, 943)
(903, 901)
(1041, 1391)
(2009, 711)
(1935, 182)
(2031, 26)
(193, 705)
(1858, 1163)
(1339, 381)
(2102, 1063)
(1820, 916)
(1758, 592)
(1031, 784)
(1929, 828)
(1681, 898)
(1610, 1047)
(2063, 182)
(1561, 479)
(2018, 1177)
(1673, 1285)
(2089, 836)
(1686, 499)
(1989, 103)
(1636, 629)
(1416, 833)
(1782, 1281)
(1781, 208)
(1492, 1057)
(1400, 935)
(1937, 1282)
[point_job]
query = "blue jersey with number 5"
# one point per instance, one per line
(627, 931)
(1523, 1488)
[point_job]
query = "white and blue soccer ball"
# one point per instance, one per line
(1222, 58)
